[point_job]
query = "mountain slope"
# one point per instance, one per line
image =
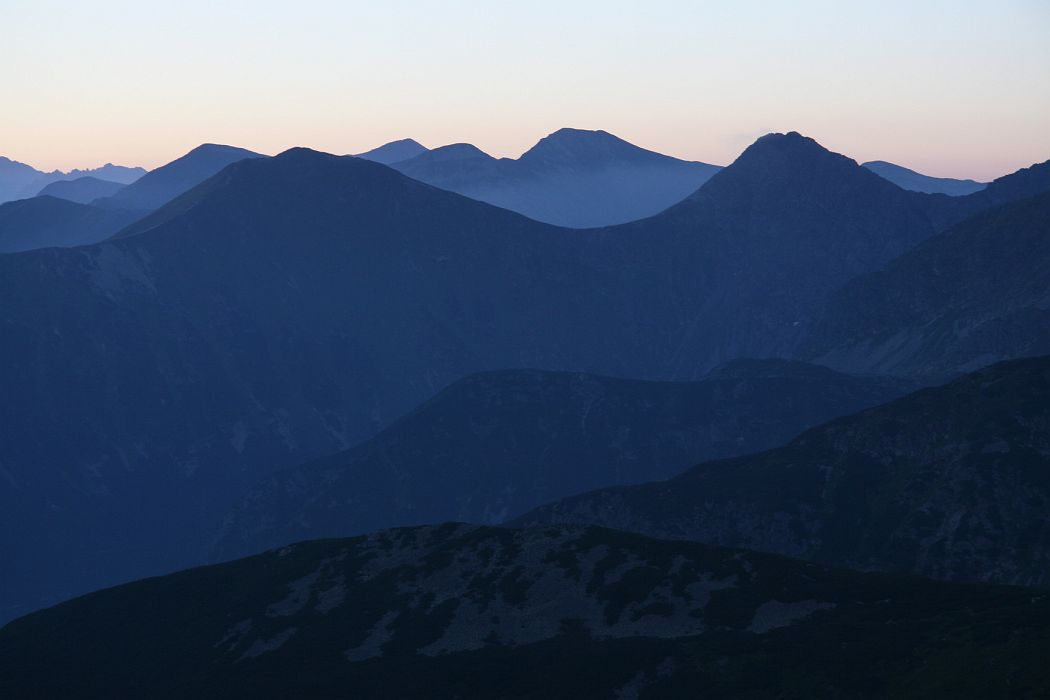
(951, 482)
(44, 222)
(394, 151)
(572, 178)
(917, 182)
(945, 211)
(290, 307)
(475, 611)
(494, 445)
(976, 294)
(83, 190)
(169, 181)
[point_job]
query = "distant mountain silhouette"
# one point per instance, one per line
(977, 294)
(21, 181)
(571, 178)
(394, 151)
(917, 182)
(1027, 182)
(553, 612)
(169, 181)
(45, 222)
(290, 307)
(83, 190)
(494, 445)
(949, 482)
(112, 173)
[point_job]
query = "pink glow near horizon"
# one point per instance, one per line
(952, 89)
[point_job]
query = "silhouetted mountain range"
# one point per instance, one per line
(21, 181)
(290, 307)
(394, 151)
(917, 182)
(494, 445)
(169, 181)
(949, 482)
(474, 612)
(83, 190)
(44, 222)
(570, 178)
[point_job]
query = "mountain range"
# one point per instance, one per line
(950, 482)
(289, 308)
(494, 445)
(216, 298)
(573, 178)
(21, 181)
(557, 612)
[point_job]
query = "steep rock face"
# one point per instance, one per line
(977, 294)
(494, 445)
(917, 182)
(573, 178)
(474, 611)
(951, 482)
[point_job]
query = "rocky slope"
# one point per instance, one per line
(951, 482)
(974, 295)
(479, 611)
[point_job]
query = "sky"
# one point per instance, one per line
(954, 89)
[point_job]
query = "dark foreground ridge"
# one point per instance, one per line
(553, 612)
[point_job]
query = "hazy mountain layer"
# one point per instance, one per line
(570, 178)
(44, 222)
(83, 190)
(21, 181)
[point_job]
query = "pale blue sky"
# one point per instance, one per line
(956, 88)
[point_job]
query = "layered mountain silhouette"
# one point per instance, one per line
(395, 151)
(475, 612)
(21, 181)
(494, 445)
(917, 182)
(83, 190)
(290, 307)
(976, 294)
(169, 181)
(950, 482)
(572, 178)
(44, 222)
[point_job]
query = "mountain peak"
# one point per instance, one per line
(395, 151)
(586, 148)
